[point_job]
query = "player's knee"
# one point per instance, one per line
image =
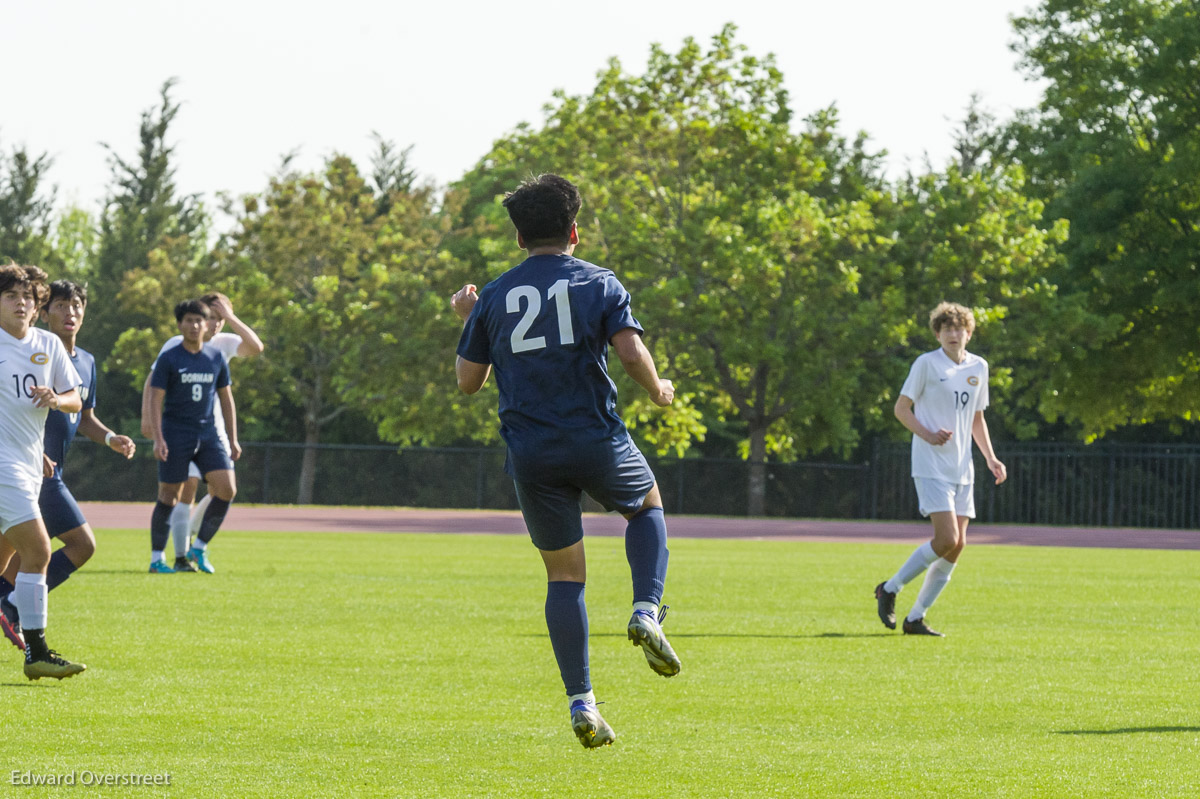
(80, 546)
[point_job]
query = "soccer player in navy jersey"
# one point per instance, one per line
(186, 383)
(63, 313)
(36, 376)
(241, 342)
(544, 327)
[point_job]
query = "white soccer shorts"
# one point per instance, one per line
(18, 502)
(934, 496)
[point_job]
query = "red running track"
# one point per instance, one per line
(286, 518)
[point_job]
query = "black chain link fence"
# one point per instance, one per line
(1111, 485)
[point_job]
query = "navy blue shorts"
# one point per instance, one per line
(203, 449)
(552, 510)
(60, 511)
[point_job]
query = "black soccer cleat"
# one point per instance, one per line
(185, 565)
(886, 601)
(51, 665)
(919, 627)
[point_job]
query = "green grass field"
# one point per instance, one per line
(418, 666)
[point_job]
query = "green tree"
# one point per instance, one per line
(334, 276)
(26, 205)
(978, 240)
(1114, 147)
(153, 252)
(747, 245)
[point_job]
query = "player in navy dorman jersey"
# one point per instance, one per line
(63, 313)
(544, 328)
(186, 383)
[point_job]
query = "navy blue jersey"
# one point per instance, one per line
(544, 326)
(61, 427)
(191, 380)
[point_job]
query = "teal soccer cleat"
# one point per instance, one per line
(200, 558)
(160, 567)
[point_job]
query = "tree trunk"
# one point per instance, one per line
(308, 463)
(757, 488)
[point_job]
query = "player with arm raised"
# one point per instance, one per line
(188, 380)
(242, 342)
(942, 404)
(36, 376)
(544, 327)
(63, 313)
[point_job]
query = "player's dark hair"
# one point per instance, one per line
(15, 276)
(543, 209)
(212, 297)
(67, 290)
(191, 306)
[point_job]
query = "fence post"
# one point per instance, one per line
(266, 477)
(1112, 487)
(679, 484)
(480, 478)
(876, 454)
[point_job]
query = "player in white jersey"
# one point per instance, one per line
(36, 376)
(942, 404)
(243, 342)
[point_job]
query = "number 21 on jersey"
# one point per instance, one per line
(533, 306)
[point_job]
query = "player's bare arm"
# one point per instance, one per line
(471, 376)
(147, 429)
(47, 466)
(904, 412)
(464, 300)
(229, 411)
(156, 434)
(251, 344)
(67, 402)
(97, 431)
(639, 364)
(983, 440)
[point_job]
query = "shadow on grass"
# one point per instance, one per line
(757, 635)
(23, 685)
(1127, 730)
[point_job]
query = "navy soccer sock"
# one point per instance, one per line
(59, 570)
(566, 619)
(159, 529)
(214, 514)
(646, 551)
(6, 587)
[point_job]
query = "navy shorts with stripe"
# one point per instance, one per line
(552, 510)
(204, 449)
(60, 511)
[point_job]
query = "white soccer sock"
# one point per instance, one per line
(917, 562)
(935, 580)
(649, 607)
(589, 697)
(158, 555)
(178, 522)
(200, 545)
(29, 595)
(198, 514)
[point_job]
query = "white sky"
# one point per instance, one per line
(259, 79)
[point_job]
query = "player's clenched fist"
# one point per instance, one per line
(464, 300)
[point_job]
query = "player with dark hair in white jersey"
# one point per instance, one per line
(36, 377)
(941, 404)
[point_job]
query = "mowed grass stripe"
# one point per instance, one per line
(418, 665)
